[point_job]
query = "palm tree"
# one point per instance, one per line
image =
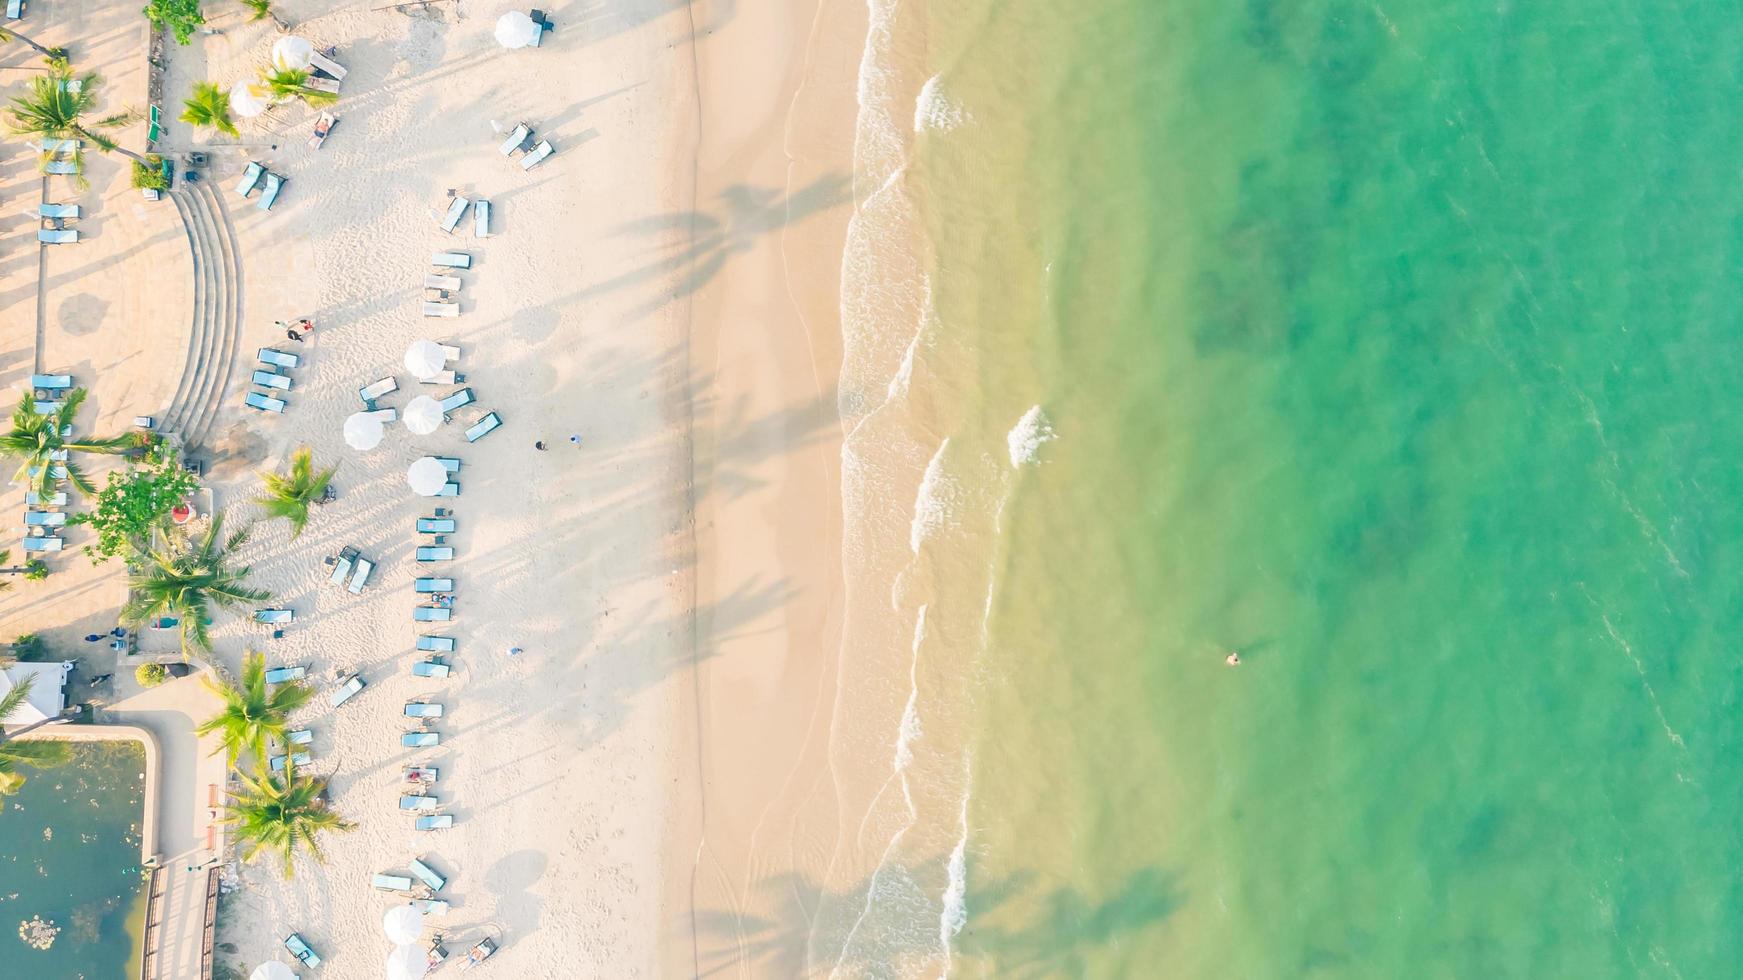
(210, 107)
(254, 714)
(288, 495)
(55, 110)
(184, 579)
(259, 9)
(8, 34)
(38, 754)
(293, 83)
(37, 436)
(281, 814)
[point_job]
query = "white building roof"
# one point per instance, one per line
(48, 696)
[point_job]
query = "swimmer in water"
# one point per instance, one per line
(1234, 659)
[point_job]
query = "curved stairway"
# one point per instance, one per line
(217, 314)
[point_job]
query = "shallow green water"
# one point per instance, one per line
(1393, 345)
(69, 853)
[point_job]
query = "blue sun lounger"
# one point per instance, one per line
(301, 759)
(537, 156)
(282, 675)
(391, 883)
(483, 427)
(449, 463)
(271, 379)
(50, 518)
(451, 260)
(432, 667)
(481, 219)
(57, 236)
(457, 400)
(250, 178)
(428, 553)
(438, 821)
(422, 709)
(420, 614)
(451, 220)
(61, 168)
(341, 568)
(347, 690)
(43, 544)
(432, 585)
(436, 644)
(57, 211)
(301, 736)
(269, 192)
(360, 577)
(419, 803)
(436, 525)
(52, 382)
(420, 740)
(277, 358)
(375, 389)
(431, 906)
(56, 472)
(56, 499)
(275, 615)
(301, 950)
(428, 875)
(449, 489)
(265, 403)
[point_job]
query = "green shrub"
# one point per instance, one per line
(30, 649)
(150, 175)
(36, 569)
(151, 675)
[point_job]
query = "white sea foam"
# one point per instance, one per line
(932, 500)
(909, 732)
(954, 914)
(934, 111)
(1026, 437)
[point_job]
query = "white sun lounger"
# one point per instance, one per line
(459, 399)
(14, 9)
(57, 236)
(438, 821)
(274, 615)
(515, 140)
(419, 803)
(43, 544)
(481, 219)
(429, 668)
(250, 178)
(301, 759)
(376, 389)
(56, 499)
(537, 156)
(271, 379)
(277, 358)
(61, 168)
(483, 427)
(50, 518)
(436, 525)
(341, 568)
(431, 906)
(434, 585)
(392, 883)
(451, 260)
(301, 736)
(422, 709)
(269, 191)
(265, 403)
(442, 378)
(451, 220)
(319, 84)
(326, 64)
(420, 740)
(436, 644)
(360, 577)
(428, 553)
(284, 675)
(442, 309)
(450, 353)
(428, 875)
(436, 280)
(57, 211)
(346, 691)
(420, 614)
(382, 415)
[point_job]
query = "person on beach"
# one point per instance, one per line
(540, 445)
(575, 441)
(93, 637)
(1234, 659)
(305, 326)
(292, 334)
(514, 651)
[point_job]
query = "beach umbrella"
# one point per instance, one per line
(404, 924)
(516, 30)
(272, 970)
(427, 476)
(363, 432)
(407, 963)
(248, 99)
(292, 53)
(423, 415)
(425, 358)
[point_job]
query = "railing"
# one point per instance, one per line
(153, 924)
(210, 932)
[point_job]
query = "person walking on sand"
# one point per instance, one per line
(540, 445)
(575, 440)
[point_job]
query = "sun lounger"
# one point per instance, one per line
(14, 9)
(250, 178)
(360, 577)
(382, 415)
(47, 544)
(537, 156)
(277, 762)
(61, 168)
(347, 690)
(341, 568)
(57, 236)
(56, 499)
(283, 675)
(420, 614)
(436, 525)
(57, 210)
(271, 379)
(436, 280)
(323, 128)
(449, 489)
(427, 875)
(421, 774)
(451, 260)
(301, 736)
(45, 408)
(60, 146)
(52, 382)
(265, 403)
(56, 472)
(516, 140)
(481, 219)
(478, 954)
(319, 84)
(274, 615)
(431, 906)
(301, 950)
(59, 456)
(483, 427)
(450, 353)
(420, 740)
(422, 709)
(419, 803)
(442, 378)
(459, 399)
(277, 358)
(431, 553)
(440, 309)
(433, 585)
(452, 219)
(439, 821)
(392, 883)
(376, 389)
(269, 191)
(430, 668)
(46, 518)
(436, 644)
(326, 65)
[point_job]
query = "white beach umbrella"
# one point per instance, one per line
(407, 963)
(292, 53)
(427, 476)
(423, 415)
(248, 99)
(516, 30)
(425, 358)
(363, 432)
(272, 970)
(404, 924)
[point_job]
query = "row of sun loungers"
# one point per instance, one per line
(273, 376)
(256, 177)
(457, 210)
(42, 518)
(53, 229)
(521, 140)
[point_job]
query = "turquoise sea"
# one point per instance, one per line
(69, 855)
(1393, 345)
